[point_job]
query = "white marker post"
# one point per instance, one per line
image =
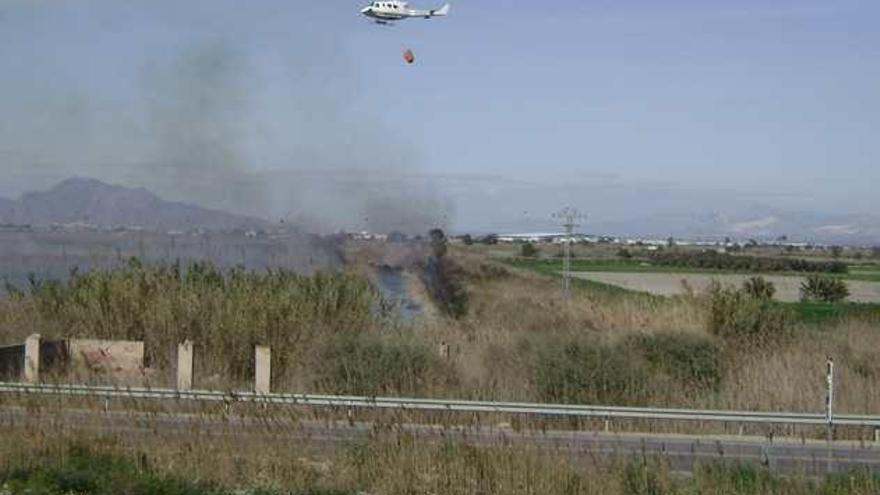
(829, 399)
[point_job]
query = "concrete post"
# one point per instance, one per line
(32, 359)
(185, 366)
(263, 379)
(443, 350)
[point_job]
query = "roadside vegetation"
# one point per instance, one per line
(512, 337)
(385, 464)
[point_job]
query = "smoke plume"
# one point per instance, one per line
(216, 103)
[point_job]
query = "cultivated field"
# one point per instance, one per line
(671, 284)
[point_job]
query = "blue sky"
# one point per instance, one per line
(512, 108)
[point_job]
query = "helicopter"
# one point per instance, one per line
(391, 11)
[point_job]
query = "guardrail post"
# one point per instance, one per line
(263, 375)
(185, 365)
(876, 435)
(32, 359)
(829, 399)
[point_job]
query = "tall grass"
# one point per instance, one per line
(385, 463)
(225, 313)
(520, 339)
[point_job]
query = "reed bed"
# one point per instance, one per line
(519, 340)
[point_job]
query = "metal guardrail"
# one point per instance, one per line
(459, 406)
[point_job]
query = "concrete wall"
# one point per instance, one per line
(11, 362)
(117, 361)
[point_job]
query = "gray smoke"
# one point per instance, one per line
(204, 103)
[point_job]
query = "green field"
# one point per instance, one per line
(869, 274)
(806, 312)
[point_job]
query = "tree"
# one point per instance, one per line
(467, 239)
(875, 252)
(836, 251)
(822, 288)
(528, 250)
(759, 288)
(624, 253)
(438, 243)
(490, 239)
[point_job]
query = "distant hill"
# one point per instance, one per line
(90, 201)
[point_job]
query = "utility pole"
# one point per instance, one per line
(569, 217)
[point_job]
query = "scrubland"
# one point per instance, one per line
(518, 338)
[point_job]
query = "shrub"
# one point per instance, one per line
(576, 372)
(624, 253)
(759, 288)
(443, 278)
(736, 316)
(439, 243)
(85, 471)
(818, 288)
(528, 250)
(693, 360)
(368, 365)
(490, 239)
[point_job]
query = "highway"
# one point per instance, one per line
(683, 453)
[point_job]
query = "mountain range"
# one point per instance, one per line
(92, 202)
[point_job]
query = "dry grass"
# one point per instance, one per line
(386, 463)
(327, 338)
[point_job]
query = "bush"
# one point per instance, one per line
(818, 288)
(574, 372)
(759, 288)
(528, 250)
(490, 239)
(85, 471)
(367, 365)
(736, 316)
(439, 243)
(693, 360)
(443, 277)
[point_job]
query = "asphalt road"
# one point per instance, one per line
(683, 453)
